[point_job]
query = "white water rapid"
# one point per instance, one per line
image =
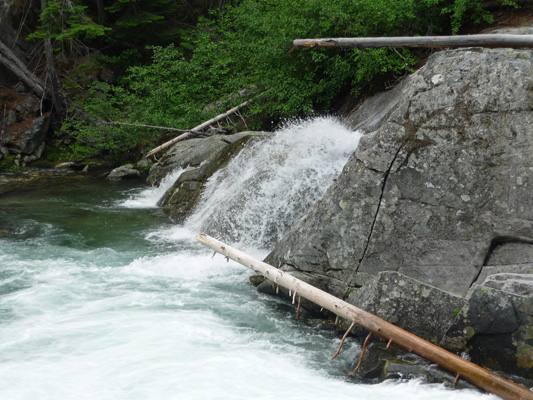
(102, 298)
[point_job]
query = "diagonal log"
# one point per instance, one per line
(471, 372)
(10, 60)
(490, 40)
(197, 129)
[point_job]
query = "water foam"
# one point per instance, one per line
(256, 199)
(148, 197)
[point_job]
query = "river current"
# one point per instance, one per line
(102, 298)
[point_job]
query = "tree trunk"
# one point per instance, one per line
(56, 92)
(100, 9)
(10, 60)
(197, 129)
(496, 40)
(471, 372)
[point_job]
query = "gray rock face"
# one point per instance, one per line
(412, 305)
(190, 153)
(438, 188)
(438, 195)
(207, 156)
(496, 327)
(25, 137)
(124, 172)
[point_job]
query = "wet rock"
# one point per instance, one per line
(192, 153)
(496, 328)
(256, 280)
(31, 177)
(67, 165)
(208, 155)
(124, 172)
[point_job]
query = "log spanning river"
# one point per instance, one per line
(102, 298)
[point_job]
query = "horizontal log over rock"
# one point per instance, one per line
(495, 40)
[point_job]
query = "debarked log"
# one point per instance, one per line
(469, 371)
(197, 129)
(485, 40)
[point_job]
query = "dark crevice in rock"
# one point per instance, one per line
(386, 176)
(495, 243)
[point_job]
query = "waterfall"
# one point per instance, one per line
(265, 189)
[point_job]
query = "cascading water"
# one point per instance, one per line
(102, 298)
(256, 199)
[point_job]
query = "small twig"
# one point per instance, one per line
(456, 380)
(214, 253)
(277, 289)
(388, 344)
(343, 339)
(362, 354)
(299, 304)
(336, 320)
(293, 297)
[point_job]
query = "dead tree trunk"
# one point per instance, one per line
(496, 40)
(10, 60)
(465, 369)
(197, 129)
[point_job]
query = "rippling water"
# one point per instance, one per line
(102, 298)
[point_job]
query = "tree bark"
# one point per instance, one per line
(197, 129)
(100, 9)
(496, 40)
(471, 372)
(56, 92)
(10, 60)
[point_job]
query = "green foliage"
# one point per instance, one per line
(248, 46)
(65, 20)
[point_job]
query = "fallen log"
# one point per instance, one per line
(10, 60)
(197, 129)
(495, 40)
(471, 372)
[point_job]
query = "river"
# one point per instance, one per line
(102, 298)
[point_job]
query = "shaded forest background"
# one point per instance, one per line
(178, 63)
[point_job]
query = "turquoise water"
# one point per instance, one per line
(102, 298)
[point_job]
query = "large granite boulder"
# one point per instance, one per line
(439, 188)
(440, 192)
